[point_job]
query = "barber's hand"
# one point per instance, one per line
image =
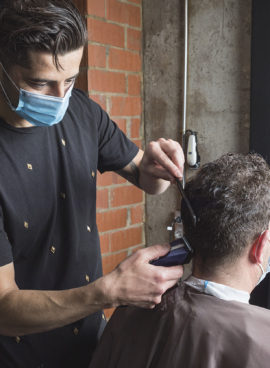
(136, 282)
(163, 159)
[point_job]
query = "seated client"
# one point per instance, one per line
(207, 321)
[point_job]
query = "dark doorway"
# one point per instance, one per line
(260, 106)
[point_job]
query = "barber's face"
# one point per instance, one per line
(42, 76)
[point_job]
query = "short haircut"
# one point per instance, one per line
(231, 198)
(53, 26)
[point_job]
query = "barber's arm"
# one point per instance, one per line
(154, 169)
(133, 282)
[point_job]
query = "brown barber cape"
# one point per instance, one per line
(188, 329)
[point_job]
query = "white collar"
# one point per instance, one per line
(218, 290)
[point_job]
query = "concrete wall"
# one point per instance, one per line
(218, 84)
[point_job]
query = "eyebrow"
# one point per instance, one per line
(51, 80)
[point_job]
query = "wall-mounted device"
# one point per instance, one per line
(192, 154)
(176, 225)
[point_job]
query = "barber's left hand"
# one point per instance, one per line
(163, 159)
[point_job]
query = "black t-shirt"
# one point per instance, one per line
(48, 221)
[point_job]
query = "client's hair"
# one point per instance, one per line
(231, 198)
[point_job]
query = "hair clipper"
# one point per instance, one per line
(180, 253)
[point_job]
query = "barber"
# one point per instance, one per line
(53, 139)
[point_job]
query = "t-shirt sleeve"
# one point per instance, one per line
(115, 149)
(5, 246)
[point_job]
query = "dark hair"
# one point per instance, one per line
(231, 198)
(53, 26)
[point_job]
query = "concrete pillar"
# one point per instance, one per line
(218, 84)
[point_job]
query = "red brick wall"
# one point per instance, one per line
(112, 73)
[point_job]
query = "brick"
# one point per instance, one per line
(121, 123)
(134, 39)
(105, 33)
(100, 99)
(124, 60)
(135, 128)
(113, 219)
(101, 80)
(109, 262)
(134, 85)
(126, 106)
(108, 313)
(105, 243)
(102, 198)
(109, 178)
(134, 250)
(124, 13)
(135, 1)
(138, 143)
(96, 7)
(125, 195)
(136, 214)
(97, 56)
(126, 238)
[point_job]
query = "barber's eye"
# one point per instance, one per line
(38, 84)
(70, 81)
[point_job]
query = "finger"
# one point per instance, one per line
(149, 305)
(154, 252)
(170, 273)
(157, 299)
(163, 159)
(175, 152)
(170, 284)
(160, 173)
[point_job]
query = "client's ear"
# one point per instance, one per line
(257, 249)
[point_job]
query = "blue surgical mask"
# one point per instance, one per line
(38, 109)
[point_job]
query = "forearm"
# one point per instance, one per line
(134, 282)
(135, 173)
(147, 183)
(152, 185)
(25, 312)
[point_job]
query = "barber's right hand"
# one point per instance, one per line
(136, 282)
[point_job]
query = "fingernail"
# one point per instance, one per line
(179, 174)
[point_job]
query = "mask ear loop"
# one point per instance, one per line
(255, 251)
(10, 79)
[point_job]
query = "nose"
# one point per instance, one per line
(58, 90)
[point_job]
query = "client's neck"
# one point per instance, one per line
(238, 275)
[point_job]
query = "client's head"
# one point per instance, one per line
(231, 199)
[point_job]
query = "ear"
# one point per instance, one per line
(258, 248)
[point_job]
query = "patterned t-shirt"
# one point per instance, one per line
(48, 221)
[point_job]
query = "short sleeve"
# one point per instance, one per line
(5, 246)
(115, 149)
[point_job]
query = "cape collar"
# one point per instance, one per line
(218, 290)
